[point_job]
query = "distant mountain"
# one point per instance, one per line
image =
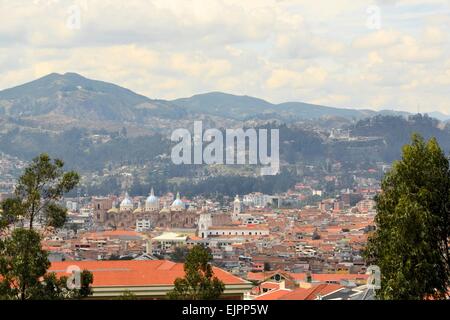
(225, 105)
(440, 116)
(57, 97)
(74, 96)
(396, 132)
(245, 107)
(312, 111)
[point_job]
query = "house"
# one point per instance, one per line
(147, 279)
(314, 292)
(292, 281)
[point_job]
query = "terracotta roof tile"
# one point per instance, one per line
(136, 273)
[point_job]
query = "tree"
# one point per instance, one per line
(179, 254)
(23, 262)
(37, 192)
(199, 282)
(410, 244)
(127, 295)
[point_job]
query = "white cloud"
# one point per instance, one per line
(275, 49)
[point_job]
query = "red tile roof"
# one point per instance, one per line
(274, 294)
(311, 293)
(318, 277)
(270, 285)
(113, 233)
(136, 273)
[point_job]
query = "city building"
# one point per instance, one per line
(146, 279)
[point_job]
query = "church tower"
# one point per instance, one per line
(204, 222)
(237, 208)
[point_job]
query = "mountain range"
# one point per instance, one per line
(71, 96)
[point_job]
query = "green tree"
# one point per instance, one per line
(40, 187)
(23, 262)
(410, 244)
(127, 295)
(199, 282)
(179, 254)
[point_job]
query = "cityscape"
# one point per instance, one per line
(175, 159)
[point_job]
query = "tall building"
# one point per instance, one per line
(204, 223)
(237, 208)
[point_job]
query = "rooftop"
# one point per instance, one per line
(136, 273)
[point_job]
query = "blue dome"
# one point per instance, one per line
(178, 204)
(151, 199)
(126, 202)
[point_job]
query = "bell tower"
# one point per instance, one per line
(237, 208)
(204, 222)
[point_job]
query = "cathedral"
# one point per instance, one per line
(126, 215)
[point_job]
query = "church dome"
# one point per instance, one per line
(152, 202)
(177, 204)
(152, 199)
(112, 210)
(139, 209)
(126, 203)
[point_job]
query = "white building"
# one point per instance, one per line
(237, 209)
(238, 231)
(204, 223)
(143, 225)
(257, 200)
(72, 205)
(170, 239)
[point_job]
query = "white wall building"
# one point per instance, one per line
(143, 225)
(237, 231)
(256, 199)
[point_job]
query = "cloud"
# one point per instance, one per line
(311, 76)
(279, 50)
(377, 39)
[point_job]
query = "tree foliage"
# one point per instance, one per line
(23, 262)
(410, 244)
(179, 254)
(199, 282)
(127, 295)
(37, 192)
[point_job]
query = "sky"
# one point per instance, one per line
(364, 54)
